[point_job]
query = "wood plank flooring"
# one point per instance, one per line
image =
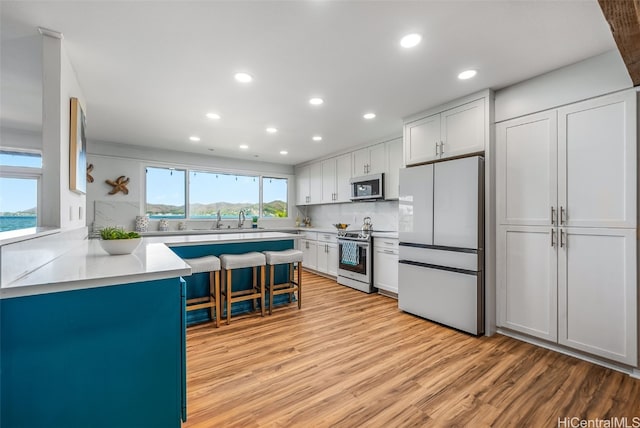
(348, 359)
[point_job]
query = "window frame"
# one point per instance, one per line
(26, 172)
(198, 169)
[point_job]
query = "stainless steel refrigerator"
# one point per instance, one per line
(441, 231)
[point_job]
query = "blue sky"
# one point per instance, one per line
(18, 194)
(166, 186)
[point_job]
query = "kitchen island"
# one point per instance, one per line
(90, 339)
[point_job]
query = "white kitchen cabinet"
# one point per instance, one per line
(328, 180)
(309, 253)
(598, 292)
(336, 173)
(526, 167)
(385, 264)
(462, 129)
(320, 252)
(453, 132)
(343, 177)
(302, 185)
(309, 184)
(370, 160)
(315, 183)
(393, 155)
(527, 280)
(566, 202)
(597, 144)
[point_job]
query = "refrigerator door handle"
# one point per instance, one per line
(439, 267)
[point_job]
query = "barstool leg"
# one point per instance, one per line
(217, 293)
(228, 293)
(262, 288)
(254, 285)
(299, 285)
(272, 268)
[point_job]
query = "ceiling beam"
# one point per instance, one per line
(624, 20)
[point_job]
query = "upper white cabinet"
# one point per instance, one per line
(370, 160)
(302, 185)
(576, 170)
(597, 162)
(336, 173)
(526, 172)
(452, 132)
(309, 184)
(328, 181)
(393, 154)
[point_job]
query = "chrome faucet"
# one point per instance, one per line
(241, 219)
(218, 220)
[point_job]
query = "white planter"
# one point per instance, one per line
(120, 246)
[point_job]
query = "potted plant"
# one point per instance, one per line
(116, 241)
(254, 222)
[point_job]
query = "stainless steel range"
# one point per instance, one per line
(355, 261)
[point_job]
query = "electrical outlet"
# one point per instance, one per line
(80, 212)
(70, 213)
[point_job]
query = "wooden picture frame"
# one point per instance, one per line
(77, 149)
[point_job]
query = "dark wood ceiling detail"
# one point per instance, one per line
(624, 20)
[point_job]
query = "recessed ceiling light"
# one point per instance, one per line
(272, 130)
(316, 101)
(284, 152)
(213, 116)
(211, 150)
(467, 74)
(244, 146)
(243, 77)
(410, 40)
(369, 115)
(317, 138)
(194, 138)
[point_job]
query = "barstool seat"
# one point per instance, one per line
(209, 264)
(228, 263)
(288, 257)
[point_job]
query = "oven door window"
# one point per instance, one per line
(361, 267)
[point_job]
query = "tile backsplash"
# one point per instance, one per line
(115, 213)
(384, 215)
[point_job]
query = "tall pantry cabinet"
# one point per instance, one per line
(566, 185)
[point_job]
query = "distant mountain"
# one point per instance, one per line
(29, 212)
(227, 209)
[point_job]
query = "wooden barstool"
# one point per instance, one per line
(209, 264)
(288, 257)
(229, 262)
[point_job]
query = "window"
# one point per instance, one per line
(274, 197)
(165, 193)
(19, 179)
(229, 193)
(210, 192)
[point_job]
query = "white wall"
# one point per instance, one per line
(60, 206)
(111, 160)
(592, 77)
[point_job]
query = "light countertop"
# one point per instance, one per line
(88, 265)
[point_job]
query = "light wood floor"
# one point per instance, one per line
(348, 359)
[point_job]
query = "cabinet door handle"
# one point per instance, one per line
(388, 251)
(553, 214)
(441, 148)
(563, 215)
(553, 244)
(561, 238)
(307, 245)
(436, 148)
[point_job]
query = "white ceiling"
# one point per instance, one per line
(150, 71)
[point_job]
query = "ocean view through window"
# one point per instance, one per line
(205, 193)
(19, 179)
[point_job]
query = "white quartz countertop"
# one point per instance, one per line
(89, 266)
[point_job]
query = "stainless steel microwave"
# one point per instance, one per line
(367, 188)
